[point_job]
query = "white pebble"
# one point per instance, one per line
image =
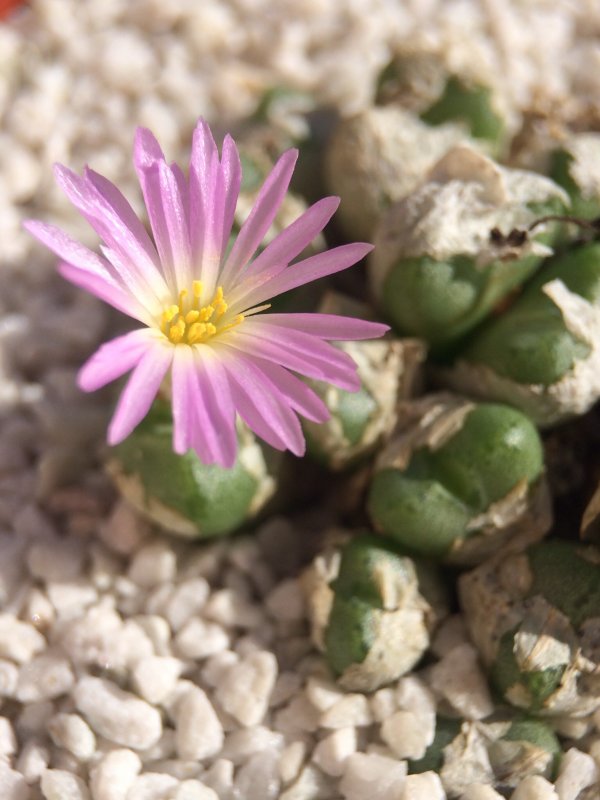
(153, 564)
(245, 688)
(57, 784)
(154, 677)
(44, 678)
(152, 786)
(8, 741)
(69, 597)
(19, 641)
(351, 710)
(55, 560)
(33, 760)
(297, 716)
(219, 777)
(124, 529)
(285, 601)
(479, 791)
(577, 771)
(405, 734)
(372, 776)
(258, 778)
(322, 693)
(14, 786)
(194, 790)
(534, 787)
(187, 599)
(383, 704)
(9, 676)
(240, 745)
(216, 666)
(199, 733)
(117, 715)
(331, 752)
(459, 678)
(291, 760)
(114, 775)
(232, 610)
(310, 783)
(199, 639)
(34, 717)
(74, 734)
(423, 786)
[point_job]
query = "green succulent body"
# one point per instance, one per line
(428, 506)
(179, 491)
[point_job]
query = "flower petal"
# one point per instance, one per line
(113, 359)
(298, 394)
(271, 283)
(203, 410)
(176, 224)
(266, 413)
(266, 206)
(105, 290)
(232, 179)
(299, 352)
(141, 389)
(291, 242)
(326, 326)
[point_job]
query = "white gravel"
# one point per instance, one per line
(134, 666)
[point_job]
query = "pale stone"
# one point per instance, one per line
(198, 639)
(194, 790)
(258, 778)
(232, 610)
(154, 677)
(245, 688)
(74, 734)
(291, 760)
(286, 601)
(152, 786)
(57, 784)
(44, 678)
(240, 745)
(310, 783)
(114, 775)
(19, 641)
(199, 733)
(9, 676)
(406, 735)
(534, 787)
(372, 776)
(576, 772)
(153, 564)
(8, 741)
(459, 678)
(349, 710)
(117, 715)
(323, 693)
(383, 704)
(187, 599)
(33, 760)
(479, 791)
(14, 786)
(423, 786)
(55, 560)
(331, 753)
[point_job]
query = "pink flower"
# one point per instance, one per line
(200, 304)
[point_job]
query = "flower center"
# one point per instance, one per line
(189, 322)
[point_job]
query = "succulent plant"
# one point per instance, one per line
(460, 480)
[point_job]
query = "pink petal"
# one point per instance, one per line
(147, 156)
(106, 291)
(67, 248)
(112, 360)
(265, 412)
(326, 326)
(299, 396)
(252, 232)
(140, 390)
(176, 223)
(301, 353)
(203, 411)
(204, 175)
(271, 283)
(103, 212)
(232, 179)
(291, 242)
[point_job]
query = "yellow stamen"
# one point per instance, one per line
(188, 322)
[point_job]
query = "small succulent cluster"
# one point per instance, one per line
(439, 451)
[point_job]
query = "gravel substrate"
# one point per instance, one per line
(134, 666)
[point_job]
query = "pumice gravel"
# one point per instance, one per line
(140, 666)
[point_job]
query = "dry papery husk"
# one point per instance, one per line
(494, 598)
(512, 523)
(573, 395)
(464, 196)
(377, 157)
